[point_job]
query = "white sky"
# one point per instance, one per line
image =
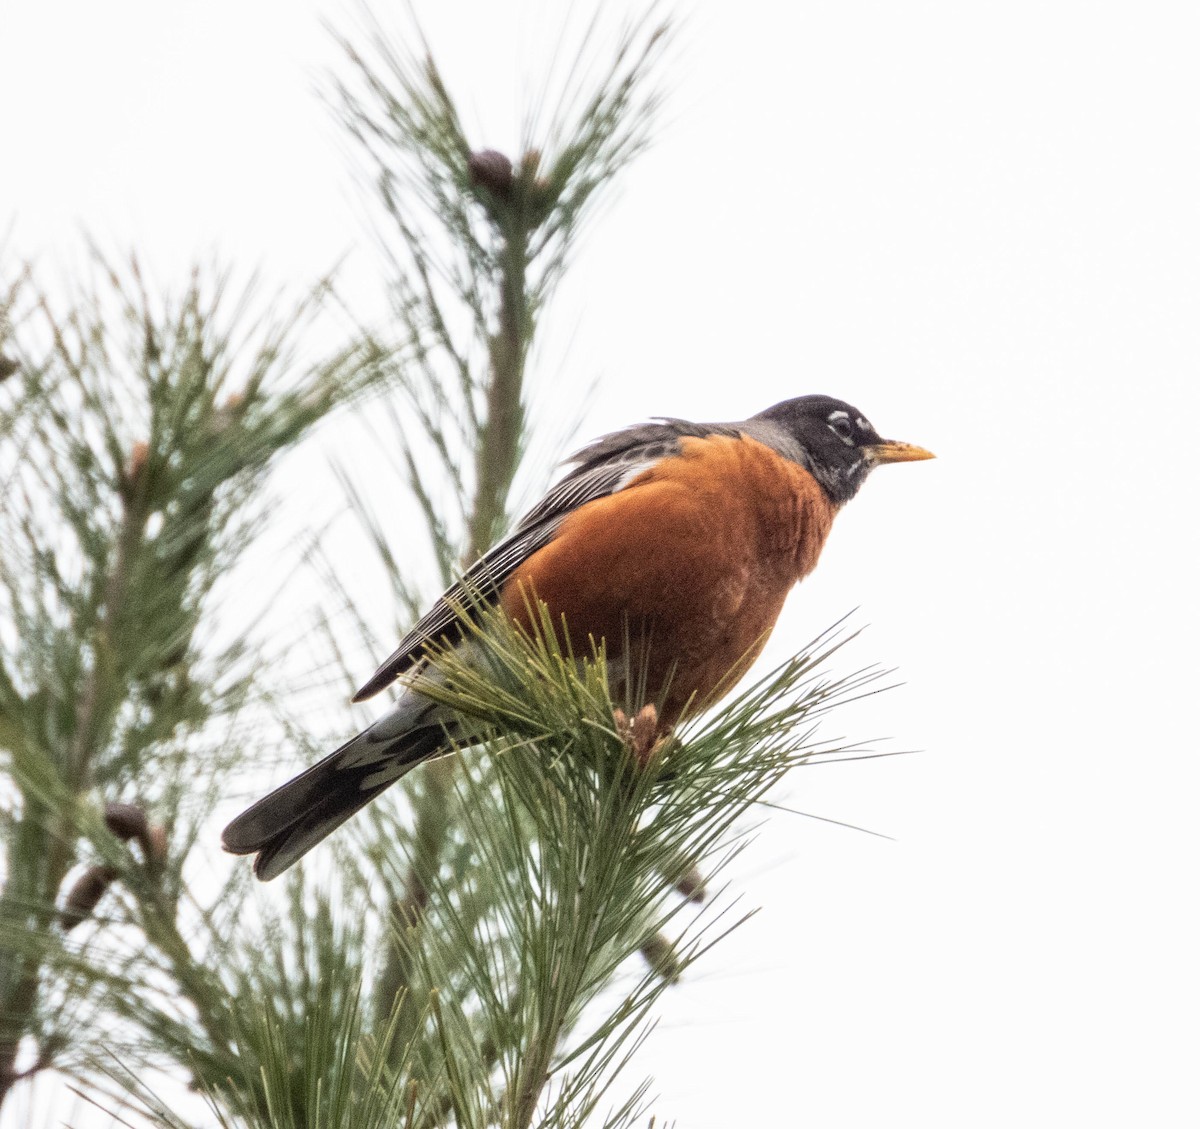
(978, 223)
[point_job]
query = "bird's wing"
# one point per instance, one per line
(603, 467)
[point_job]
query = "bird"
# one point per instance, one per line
(675, 543)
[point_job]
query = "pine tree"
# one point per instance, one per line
(451, 956)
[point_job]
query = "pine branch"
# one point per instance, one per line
(577, 826)
(139, 432)
(509, 237)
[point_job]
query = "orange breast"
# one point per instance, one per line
(690, 563)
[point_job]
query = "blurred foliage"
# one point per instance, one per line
(137, 435)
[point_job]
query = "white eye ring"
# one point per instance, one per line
(839, 424)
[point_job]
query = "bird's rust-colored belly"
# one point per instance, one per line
(691, 562)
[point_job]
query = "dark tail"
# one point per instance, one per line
(293, 819)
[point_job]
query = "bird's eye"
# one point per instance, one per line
(842, 428)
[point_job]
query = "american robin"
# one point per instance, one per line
(677, 541)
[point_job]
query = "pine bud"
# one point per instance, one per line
(128, 821)
(156, 844)
(139, 455)
(535, 188)
(640, 735)
(531, 160)
(226, 414)
(7, 367)
(125, 821)
(85, 895)
(691, 884)
(661, 956)
(644, 732)
(492, 170)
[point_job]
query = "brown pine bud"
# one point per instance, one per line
(492, 170)
(128, 821)
(7, 367)
(125, 821)
(226, 414)
(85, 895)
(644, 733)
(531, 159)
(685, 876)
(139, 455)
(661, 956)
(156, 844)
(536, 189)
(691, 884)
(641, 734)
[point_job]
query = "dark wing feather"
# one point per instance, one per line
(602, 468)
(479, 588)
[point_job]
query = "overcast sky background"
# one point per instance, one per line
(977, 222)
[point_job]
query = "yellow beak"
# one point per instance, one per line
(890, 451)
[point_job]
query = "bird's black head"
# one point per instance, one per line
(835, 441)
